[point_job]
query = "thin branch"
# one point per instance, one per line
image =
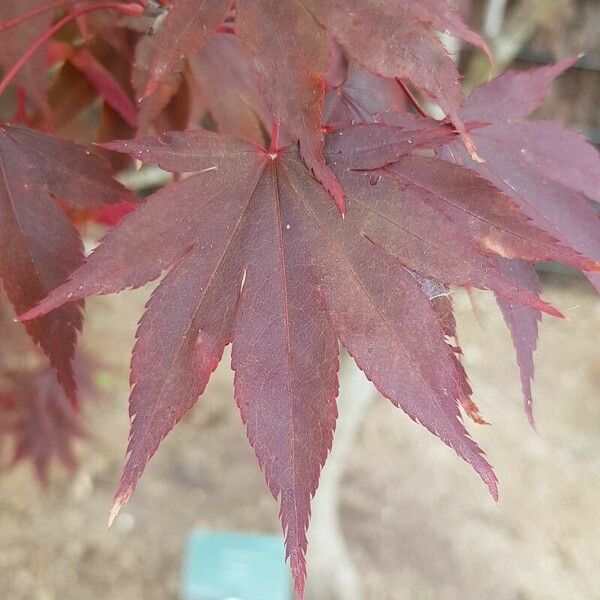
(40, 10)
(128, 9)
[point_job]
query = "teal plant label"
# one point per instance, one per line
(235, 566)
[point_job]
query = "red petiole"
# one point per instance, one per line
(126, 9)
(274, 147)
(40, 10)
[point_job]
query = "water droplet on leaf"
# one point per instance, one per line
(165, 139)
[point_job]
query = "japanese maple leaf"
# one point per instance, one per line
(258, 256)
(42, 423)
(396, 40)
(188, 25)
(494, 227)
(229, 88)
(38, 245)
(356, 95)
(547, 170)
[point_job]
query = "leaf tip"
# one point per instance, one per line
(543, 306)
(150, 88)
(120, 499)
(337, 193)
(488, 476)
(493, 487)
(29, 315)
(114, 513)
(530, 418)
(553, 312)
(298, 567)
(44, 306)
(472, 411)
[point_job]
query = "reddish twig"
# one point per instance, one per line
(127, 9)
(40, 10)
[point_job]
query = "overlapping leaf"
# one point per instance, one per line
(414, 191)
(522, 322)
(229, 88)
(356, 95)
(404, 47)
(43, 426)
(546, 169)
(188, 26)
(39, 247)
(293, 81)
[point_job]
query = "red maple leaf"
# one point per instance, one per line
(39, 246)
(255, 253)
(40, 421)
(550, 172)
(257, 256)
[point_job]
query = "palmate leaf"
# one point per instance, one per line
(546, 169)
(257, 255)
(188, 26)
(229, 89)
(41, 422)
(252, 250)
(39, 247)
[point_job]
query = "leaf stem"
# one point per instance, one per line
(127, 9)
(275, 137)
(40, 10)
(412, 99)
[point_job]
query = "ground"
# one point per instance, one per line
(419, 522)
